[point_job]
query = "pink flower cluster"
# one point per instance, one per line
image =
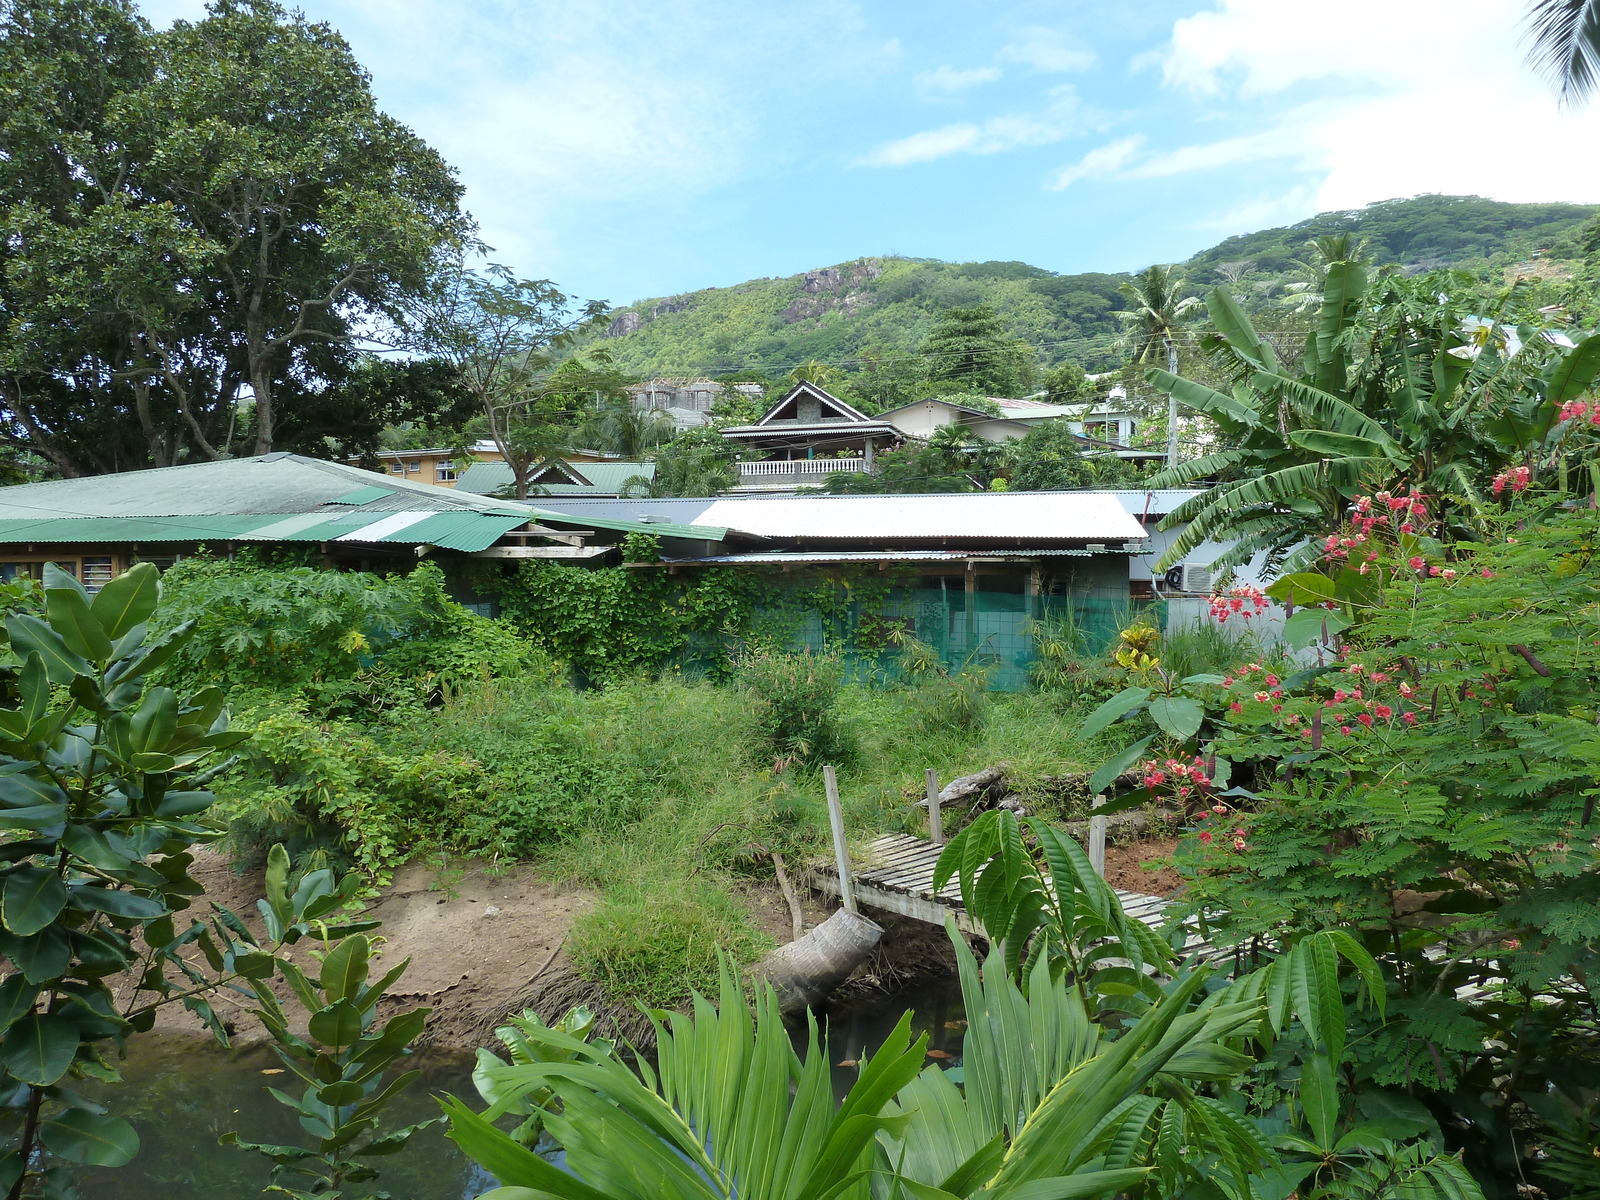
(1405, 513)
(1244, 601)
(1238, 835)
(1516, 478)
(1185, 776)
(1575, 410)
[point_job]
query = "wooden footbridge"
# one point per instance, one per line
(897, 877)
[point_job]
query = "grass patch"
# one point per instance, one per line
(655, 938)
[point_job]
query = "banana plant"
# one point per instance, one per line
(1398, 386)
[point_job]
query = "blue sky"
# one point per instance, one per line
(629, 149)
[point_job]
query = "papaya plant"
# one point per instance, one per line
(102, 799)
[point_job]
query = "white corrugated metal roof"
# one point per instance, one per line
(1155, 503)
(1030, 516)
(869, 556)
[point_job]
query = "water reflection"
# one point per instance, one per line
(182, 1092)
(853, 1032)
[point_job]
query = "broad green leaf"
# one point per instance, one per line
(31, 899)
(1319, 1097)
(70, 617)
(1304, 587)
(256, 964)
(128, 600)
(30, 635)
(1339, 445)
(116, 903)
(337, 1025)
(95, 1140)
(1574, 373)
(41, 957)
(17, 996)
(1122, 703)
(340, 1093)
(1314, 625)
(153, 763)
(1178, 716)
(345, 969)
(277, 884)
(1233, 323)
(1108, 773)
(39, 1048)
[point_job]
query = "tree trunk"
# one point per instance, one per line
(1172, 406)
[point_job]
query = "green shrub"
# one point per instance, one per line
(655, 939)
(329, 788)
(793, 699)
(350, 643)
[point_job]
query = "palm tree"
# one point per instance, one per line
(1159, 309)
(622, 429)
(1566, 45)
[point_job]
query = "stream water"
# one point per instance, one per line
(182, 1092)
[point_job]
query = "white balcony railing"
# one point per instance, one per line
(800, 466)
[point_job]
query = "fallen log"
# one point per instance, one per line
(806, 970)
(968, 787)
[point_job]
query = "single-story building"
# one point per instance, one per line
(99, 526)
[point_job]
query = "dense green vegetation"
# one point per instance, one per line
(866, 314)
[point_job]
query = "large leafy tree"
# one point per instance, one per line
(499, 334)
(970, 347)
(1402, 385)
(199, 224)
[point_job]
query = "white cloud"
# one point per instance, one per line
(1441, 101)
(1098, 163)
(1062, 118)
(956, 79)
(1046, 49)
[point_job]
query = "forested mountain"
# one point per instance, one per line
(872, 307)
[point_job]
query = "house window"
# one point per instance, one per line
(398, 469)
(444, 471)
(96, 573)
(10, 572)
(413, 466)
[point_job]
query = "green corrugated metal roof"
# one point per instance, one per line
(466, 532)
(224, 527)
(276, 497)
(365, 495)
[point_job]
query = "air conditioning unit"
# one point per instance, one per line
(1190, 577)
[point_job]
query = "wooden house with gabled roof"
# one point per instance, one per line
(806, 434)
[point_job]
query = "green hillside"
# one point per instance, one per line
(875, 306)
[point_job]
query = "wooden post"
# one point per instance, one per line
(841, 853)
(935, 820)
(1097, 838)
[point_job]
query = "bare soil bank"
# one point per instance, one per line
(484, 944)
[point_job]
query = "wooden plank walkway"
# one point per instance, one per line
(897, 877)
